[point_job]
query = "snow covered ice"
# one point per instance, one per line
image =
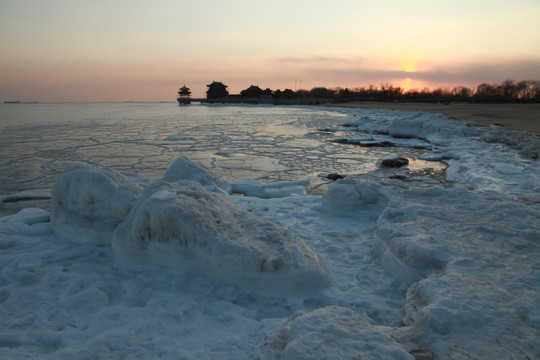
(205, 233)
(88, 202)
(387, 263)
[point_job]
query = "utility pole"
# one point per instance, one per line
(295, 85)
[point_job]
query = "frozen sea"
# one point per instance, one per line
(441, 255)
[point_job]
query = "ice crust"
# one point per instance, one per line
(193, 229)
(348, 194)
(332, 332)
(451, 267)
(184, 170)
(183, 226)
(87, 202)
(269, 190)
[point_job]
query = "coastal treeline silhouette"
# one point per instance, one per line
(509, 91)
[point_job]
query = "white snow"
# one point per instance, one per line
(87, 202)
(312, 335)
(348, 195)
(130, 267)
(184, 169)
(193, 229)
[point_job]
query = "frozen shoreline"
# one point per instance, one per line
(513, 117)
(450, 267)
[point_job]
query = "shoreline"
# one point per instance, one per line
(513, 117)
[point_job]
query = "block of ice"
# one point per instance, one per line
(199, 231)
(184, 169)
(432, 157)
(87, 202)
(27, 222)
(349, 194)
(277, 189)
(407, 250)
(332, 332)
(434, 128)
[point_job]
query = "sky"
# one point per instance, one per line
(102, 50)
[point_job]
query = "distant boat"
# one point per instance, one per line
(12, 102)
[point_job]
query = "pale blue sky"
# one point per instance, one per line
(75, 50)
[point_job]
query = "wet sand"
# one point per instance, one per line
(515, 117)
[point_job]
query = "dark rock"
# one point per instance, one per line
(12, 199)
(365, 143)
(395, 162)
(422, 354)
(341, 141)
(334, 176)
(399, 177)
(375, 143)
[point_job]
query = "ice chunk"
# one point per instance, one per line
(434, 128)
(349, 194)
(408, 251)
(203, 232)
(432, 157)
(277, 189)
(163, 195)
(29, 222)
(185, 169)
(368, 124)
(332, 332)
(87, 202)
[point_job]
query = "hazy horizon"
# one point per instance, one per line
(74, 51)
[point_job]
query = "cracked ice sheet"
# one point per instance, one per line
(141, 138)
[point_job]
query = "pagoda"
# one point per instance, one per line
(217, 90)
(184, 95)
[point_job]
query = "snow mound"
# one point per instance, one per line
(27, 222)
(199, 231)
(87, 202)
(369, 125)
(184, 169)
(430, 127)
(332, 333)
(408, 251)
(348, 194)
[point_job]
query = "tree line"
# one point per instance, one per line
(509, 91)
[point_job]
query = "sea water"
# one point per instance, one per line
(266, 143)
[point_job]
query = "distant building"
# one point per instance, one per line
(267, 95)
(217, 93)
(288, 94)
(216, 90)
(184, 95)
(252, 92)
